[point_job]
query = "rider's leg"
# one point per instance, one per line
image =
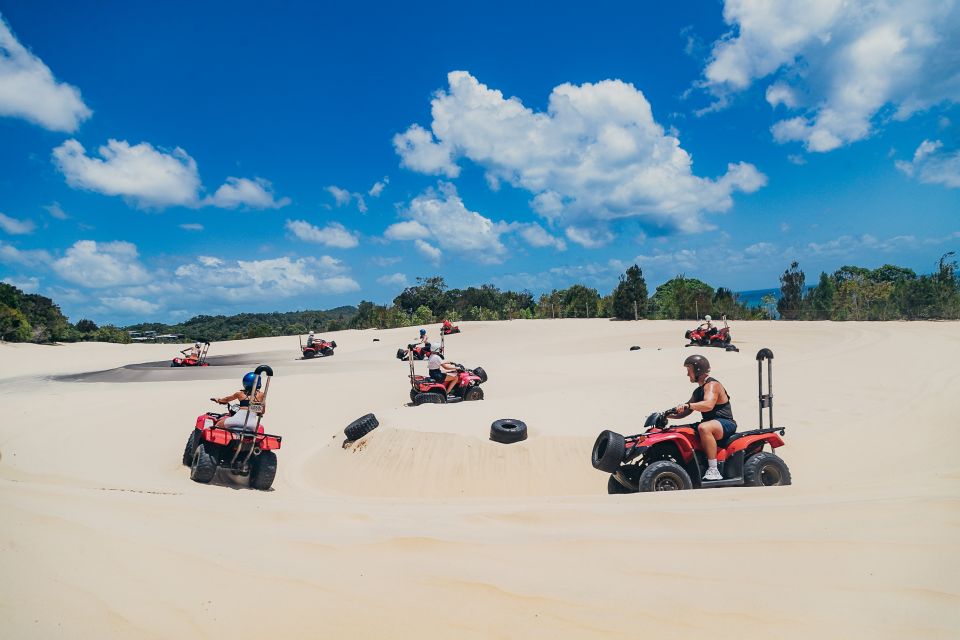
(711, 431)
(451, 380)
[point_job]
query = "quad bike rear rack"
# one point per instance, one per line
(258, 408)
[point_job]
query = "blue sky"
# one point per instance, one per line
(161, 161)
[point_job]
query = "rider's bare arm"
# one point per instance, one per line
(711, 395)
(239, 395)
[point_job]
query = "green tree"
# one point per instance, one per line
(422, 315)
(820, 299)
(14, 326)
(792, 284)
(682, 298)
(629, 300)
(86, 326)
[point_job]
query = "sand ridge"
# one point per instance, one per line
(443, 533)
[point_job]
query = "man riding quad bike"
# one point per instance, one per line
(236, 441)
(448, 328)
(316, 347)
(707, 335)
(671, 457)
(457, 384)
(195, 356)
(419, 350)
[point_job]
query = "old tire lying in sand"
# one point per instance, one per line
(608, 451)
(634, 348)
(361, 427)
(765, 470)
(508, 431)
(263, 470)
(665, 475)
(429, 398)
(481, 374)
(731, 347)
(203, 466)
(188, 450)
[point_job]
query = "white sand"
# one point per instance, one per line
(426, 529)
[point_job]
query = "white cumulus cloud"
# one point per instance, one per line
(242, 280)
(378, 187)
(101, 264)
(596, 153)
(13, 226)
(394, 279)
(242, 192)
(537, 236)
(340, 196)
(932, 165)
(9, 254)
(842, 63)
(441, 217)
(332, 235)
(29, 284)
(128, 305)
(28, 89)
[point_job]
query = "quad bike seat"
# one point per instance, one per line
(726, 442)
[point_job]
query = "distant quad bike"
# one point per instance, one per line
(244, 450)
(191, 361)
(713, 337)
(668, 458)
(317, 348)
(426, 390)
(418, 351)
(448, 328)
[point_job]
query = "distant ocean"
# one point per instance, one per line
(752, 298)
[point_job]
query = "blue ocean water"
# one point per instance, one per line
(752, 298)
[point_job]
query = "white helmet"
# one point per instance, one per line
(196, 344)
(311, 333)
(707, 318)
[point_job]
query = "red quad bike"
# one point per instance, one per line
(418, 351)
(187, 361)
(448, 328)
(667, 458)
(711, 337)
(244, 450)
(317, 348)
(426, 390)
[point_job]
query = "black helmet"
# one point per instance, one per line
(428, 347)
(700, 365)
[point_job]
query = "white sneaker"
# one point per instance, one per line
(713, 474)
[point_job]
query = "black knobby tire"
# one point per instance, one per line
(665, 475)
(687, 335)
(766, 470)
(327, 352)
(263, 469)
(333, 344)
(188, 450)
(429, 398)
(473, 393)
(634, 348)
(204, 465)
(481, 374)
(608, 451)
(508, 431)
(614, 486)
(309, 354)
(413, 394)
(361, 427)
(401, 354)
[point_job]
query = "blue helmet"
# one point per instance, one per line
(423, 332)
(248, 381)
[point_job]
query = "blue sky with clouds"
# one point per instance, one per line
(158, 161)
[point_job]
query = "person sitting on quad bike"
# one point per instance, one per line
(424, 340)
(708, 325)
(310, 339)
(443, 372)
(711, 399)
(243, 396)
(192, 352)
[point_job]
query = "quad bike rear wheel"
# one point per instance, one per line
(204, 466)
(263, 469)
(188, 450)
(765, 470)
(429, 398)
(665, 475)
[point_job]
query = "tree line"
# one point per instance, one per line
(885, 293)
(889, 292)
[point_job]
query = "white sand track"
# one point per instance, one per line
(426, 529)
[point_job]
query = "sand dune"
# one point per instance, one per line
(427, 529)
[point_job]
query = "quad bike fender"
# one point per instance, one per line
(676, 440)
(742, 444)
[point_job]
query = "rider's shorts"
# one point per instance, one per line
(237, 420)
(729, 426)
(437, 375)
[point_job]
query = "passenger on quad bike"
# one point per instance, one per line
(195, 356)
(310, 339)
(420, 349)
(713, 402)
(243, 396)
(441, 387)
(708, 335)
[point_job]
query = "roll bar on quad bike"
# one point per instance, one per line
(259, 408)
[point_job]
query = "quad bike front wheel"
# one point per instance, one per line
(327, 352)
(263, 470)
(766, 470)
(204, 466)
(473, 393)
(665, 475)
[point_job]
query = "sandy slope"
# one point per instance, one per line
(428, 529)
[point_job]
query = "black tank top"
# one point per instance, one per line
(719, 410)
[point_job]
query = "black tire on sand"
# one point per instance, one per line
(203, 466)
(508, 431)
(766, 470)
(608, 451)
(664, 475)
(361, 427)
(263, 469)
